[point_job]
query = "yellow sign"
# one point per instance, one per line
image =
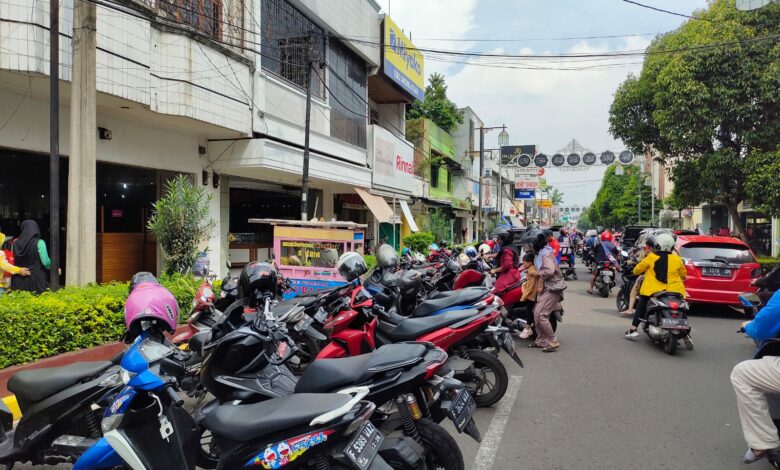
(403, 63)
(545, 203)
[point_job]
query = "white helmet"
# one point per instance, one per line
(664, 242)
(484, 249)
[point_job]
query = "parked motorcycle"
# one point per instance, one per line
(61, 410)
(666, 320)
(148, 428)
(605, 277)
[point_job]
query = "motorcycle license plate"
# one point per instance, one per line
(607, 273)
(462, 409)
(304, 323)
(364, 446)
(674, 322)
(508, 343)
(716, 272)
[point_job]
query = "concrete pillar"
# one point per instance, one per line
(327, 203)
(81, 234)
(215, 248)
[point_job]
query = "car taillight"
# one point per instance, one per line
(674, 305)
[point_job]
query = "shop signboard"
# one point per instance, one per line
(393, 161)
(528, 171)
(403, 63)
(545, 203)
(521, 194)
(527, 182)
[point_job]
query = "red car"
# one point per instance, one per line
(718, 268)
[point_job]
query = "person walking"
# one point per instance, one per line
(549, 295)
(8, 269)
(30, 252)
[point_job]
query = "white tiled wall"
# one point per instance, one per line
(168, 72)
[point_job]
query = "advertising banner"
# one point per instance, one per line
(545, 203)
(521, 194)
(393, 161)
(527, 182)
(403, 63)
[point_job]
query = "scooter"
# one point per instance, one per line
(567, 268)
(605, 277)
(148, 428)
(60, 408)
(666, 320)
(628, 279)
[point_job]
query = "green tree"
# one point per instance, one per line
(616, 202)
(436, 106)
(708, 99)
(181, 223)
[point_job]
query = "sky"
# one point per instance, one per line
(548, 108)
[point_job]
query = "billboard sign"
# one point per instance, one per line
(521, 194)
(529, 171)
(527, 182)
(393, 161)
(545, 203)
(403, 63)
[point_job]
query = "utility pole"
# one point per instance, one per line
(500, 192)
(81, 235)
(307, 131)
(481, 170)
(54, 143)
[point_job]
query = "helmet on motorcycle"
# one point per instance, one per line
(606, 236)
(503, 236)
(256, 280)
(406, 251)
(664, 242)
(463, 259)
(470, 251)
(386, 257)
(142, 277)
(150, 303)
(351, 265)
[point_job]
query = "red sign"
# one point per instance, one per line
(116, 213)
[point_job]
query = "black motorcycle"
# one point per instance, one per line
(61, 411)
(605, 277)
(627, 281)
(666, 320)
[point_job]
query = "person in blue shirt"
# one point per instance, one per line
(753, 380)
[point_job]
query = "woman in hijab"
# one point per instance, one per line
(549, 294)
(30, 252)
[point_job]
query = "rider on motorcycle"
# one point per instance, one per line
(769, 284)
(601, 252)
(634, 295)
(753, 380)
(508, 261)
(567, 245)
(664, 271)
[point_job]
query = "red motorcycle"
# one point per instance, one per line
(364, 325)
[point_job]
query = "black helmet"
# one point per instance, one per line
(351, 265)
(503, 235)
(540, 241)
(548, 233)
(141, 278)
(530, 235)
(386, 257)
(256, 281)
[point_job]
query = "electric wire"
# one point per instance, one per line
(649, 7)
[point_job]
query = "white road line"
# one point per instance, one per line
(492, 438)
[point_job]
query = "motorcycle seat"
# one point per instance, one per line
(328, 375)
(412, 328)
(34, 385)
(442, 300)
(242, 423)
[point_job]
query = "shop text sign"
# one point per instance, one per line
(527, 182)
(403, 63)
(393, 161)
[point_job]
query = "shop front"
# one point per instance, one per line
(758, 228)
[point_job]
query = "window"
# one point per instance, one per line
(434, 175)
(449, 181)
(288, 41)
(729, 253)
(348, 94)
(202, 15)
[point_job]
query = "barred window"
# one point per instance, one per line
(202, 15)
(348, 94)
(288, 39)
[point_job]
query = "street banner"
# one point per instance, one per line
(527, 182)
(521, 194)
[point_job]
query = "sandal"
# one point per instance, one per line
(550, 349)
(534, 345)
(590, 292)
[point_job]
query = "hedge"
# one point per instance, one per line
(768, 264)
(38, 326)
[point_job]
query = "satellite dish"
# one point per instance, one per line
(540, 160)
(626, 157)
(747, 5)
(573, 159)
(524, 160)
(589, 158)
(558, 159)
(607, 157)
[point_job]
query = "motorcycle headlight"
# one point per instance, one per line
(112, 380)
(125, 376)
(110, 423)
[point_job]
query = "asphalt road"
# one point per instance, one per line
(603, 402)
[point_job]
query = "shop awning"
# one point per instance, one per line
(377, 205)
(408, 215)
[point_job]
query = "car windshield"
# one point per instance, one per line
(715, 252)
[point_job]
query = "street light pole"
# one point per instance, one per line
(481, 170)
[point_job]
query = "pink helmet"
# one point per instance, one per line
(150, 301)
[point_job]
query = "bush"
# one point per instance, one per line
(38, 326)
(768, 264)
(370, 261)
(419, 241)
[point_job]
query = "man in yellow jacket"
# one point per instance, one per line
(6, 267)
(663, 271)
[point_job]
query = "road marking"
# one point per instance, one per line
(492, 440)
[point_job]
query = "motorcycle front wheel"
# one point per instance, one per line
(621, 300)
(441, 450)
(491, 380)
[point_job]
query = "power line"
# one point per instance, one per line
(649, 7)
